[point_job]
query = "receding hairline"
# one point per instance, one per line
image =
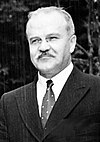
(60, 10)
(49, 10)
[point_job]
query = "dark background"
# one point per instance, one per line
(16, 68)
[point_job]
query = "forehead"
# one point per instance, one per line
(52, 20)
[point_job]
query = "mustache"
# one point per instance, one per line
(45, 54)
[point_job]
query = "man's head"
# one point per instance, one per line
(50, 32)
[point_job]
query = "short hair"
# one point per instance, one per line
(69, 21)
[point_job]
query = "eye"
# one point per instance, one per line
(35, 41)
(52, 38)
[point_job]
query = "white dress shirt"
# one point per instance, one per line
(58, 80)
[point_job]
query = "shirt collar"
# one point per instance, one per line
(63, 75)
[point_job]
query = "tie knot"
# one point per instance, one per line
(49, 83)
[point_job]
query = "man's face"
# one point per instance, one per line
(49, 44)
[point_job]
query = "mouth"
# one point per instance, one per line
(45, 56)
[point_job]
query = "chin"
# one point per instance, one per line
(45, 67)
(46, 70)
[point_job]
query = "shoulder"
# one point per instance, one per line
(19, 92)
(90, 79)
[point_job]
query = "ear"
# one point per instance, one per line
(72, 43)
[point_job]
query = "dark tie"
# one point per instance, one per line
(47, 103)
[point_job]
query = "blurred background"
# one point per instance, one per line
(16, 68)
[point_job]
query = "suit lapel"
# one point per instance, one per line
(73, 92)
(28, 108)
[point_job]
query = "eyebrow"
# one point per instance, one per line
(53, 34)
(48, 35)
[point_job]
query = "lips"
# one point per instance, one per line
(45, 55)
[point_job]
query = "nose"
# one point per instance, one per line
(44, 46)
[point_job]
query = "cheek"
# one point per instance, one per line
(31, 49)
(33, 52)
(64, 55)
(62, 52)
(32, 56)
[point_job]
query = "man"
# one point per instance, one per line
(74, 115)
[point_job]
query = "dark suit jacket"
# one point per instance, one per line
(74, 118)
